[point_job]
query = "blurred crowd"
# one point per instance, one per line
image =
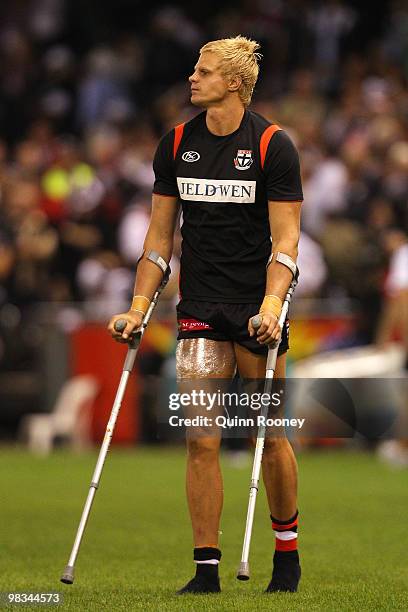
(87, 89)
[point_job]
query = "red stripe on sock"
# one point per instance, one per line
(284, 526)
(285, 545)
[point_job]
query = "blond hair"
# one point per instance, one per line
(238, 58)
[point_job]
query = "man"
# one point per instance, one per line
(393, 323)
(239, 184)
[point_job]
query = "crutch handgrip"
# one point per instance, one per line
(120, 325)
(256, 321)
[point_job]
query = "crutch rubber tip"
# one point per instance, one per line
(256, 321)
(68, 575)
(243, 571)
(120, 325)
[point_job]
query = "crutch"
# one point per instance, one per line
(134, 342)
(243, 570)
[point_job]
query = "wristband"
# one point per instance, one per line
(272, 304)
(140, 303)
(137, 310)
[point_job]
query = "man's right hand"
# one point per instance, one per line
(133, 321)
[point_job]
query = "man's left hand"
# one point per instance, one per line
(269, 332)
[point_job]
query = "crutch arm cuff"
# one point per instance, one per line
(287, 261)
(157, 259)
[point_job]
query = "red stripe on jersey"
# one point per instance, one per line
(178, 135)
(286, 544)
(192, 325)
(265, 140)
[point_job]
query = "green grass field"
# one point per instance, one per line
(137, 547)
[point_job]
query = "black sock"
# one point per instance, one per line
(205, 568)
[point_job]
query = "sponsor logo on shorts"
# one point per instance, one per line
(190, 156)
(216, 190)
(243, 160)
(188, 325)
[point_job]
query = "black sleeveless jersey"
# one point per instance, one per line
(224, 184)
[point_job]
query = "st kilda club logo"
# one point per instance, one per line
(243, 160)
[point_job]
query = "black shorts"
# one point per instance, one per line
(226, 322)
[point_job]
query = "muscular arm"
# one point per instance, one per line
(159, 238)
(284, 221)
